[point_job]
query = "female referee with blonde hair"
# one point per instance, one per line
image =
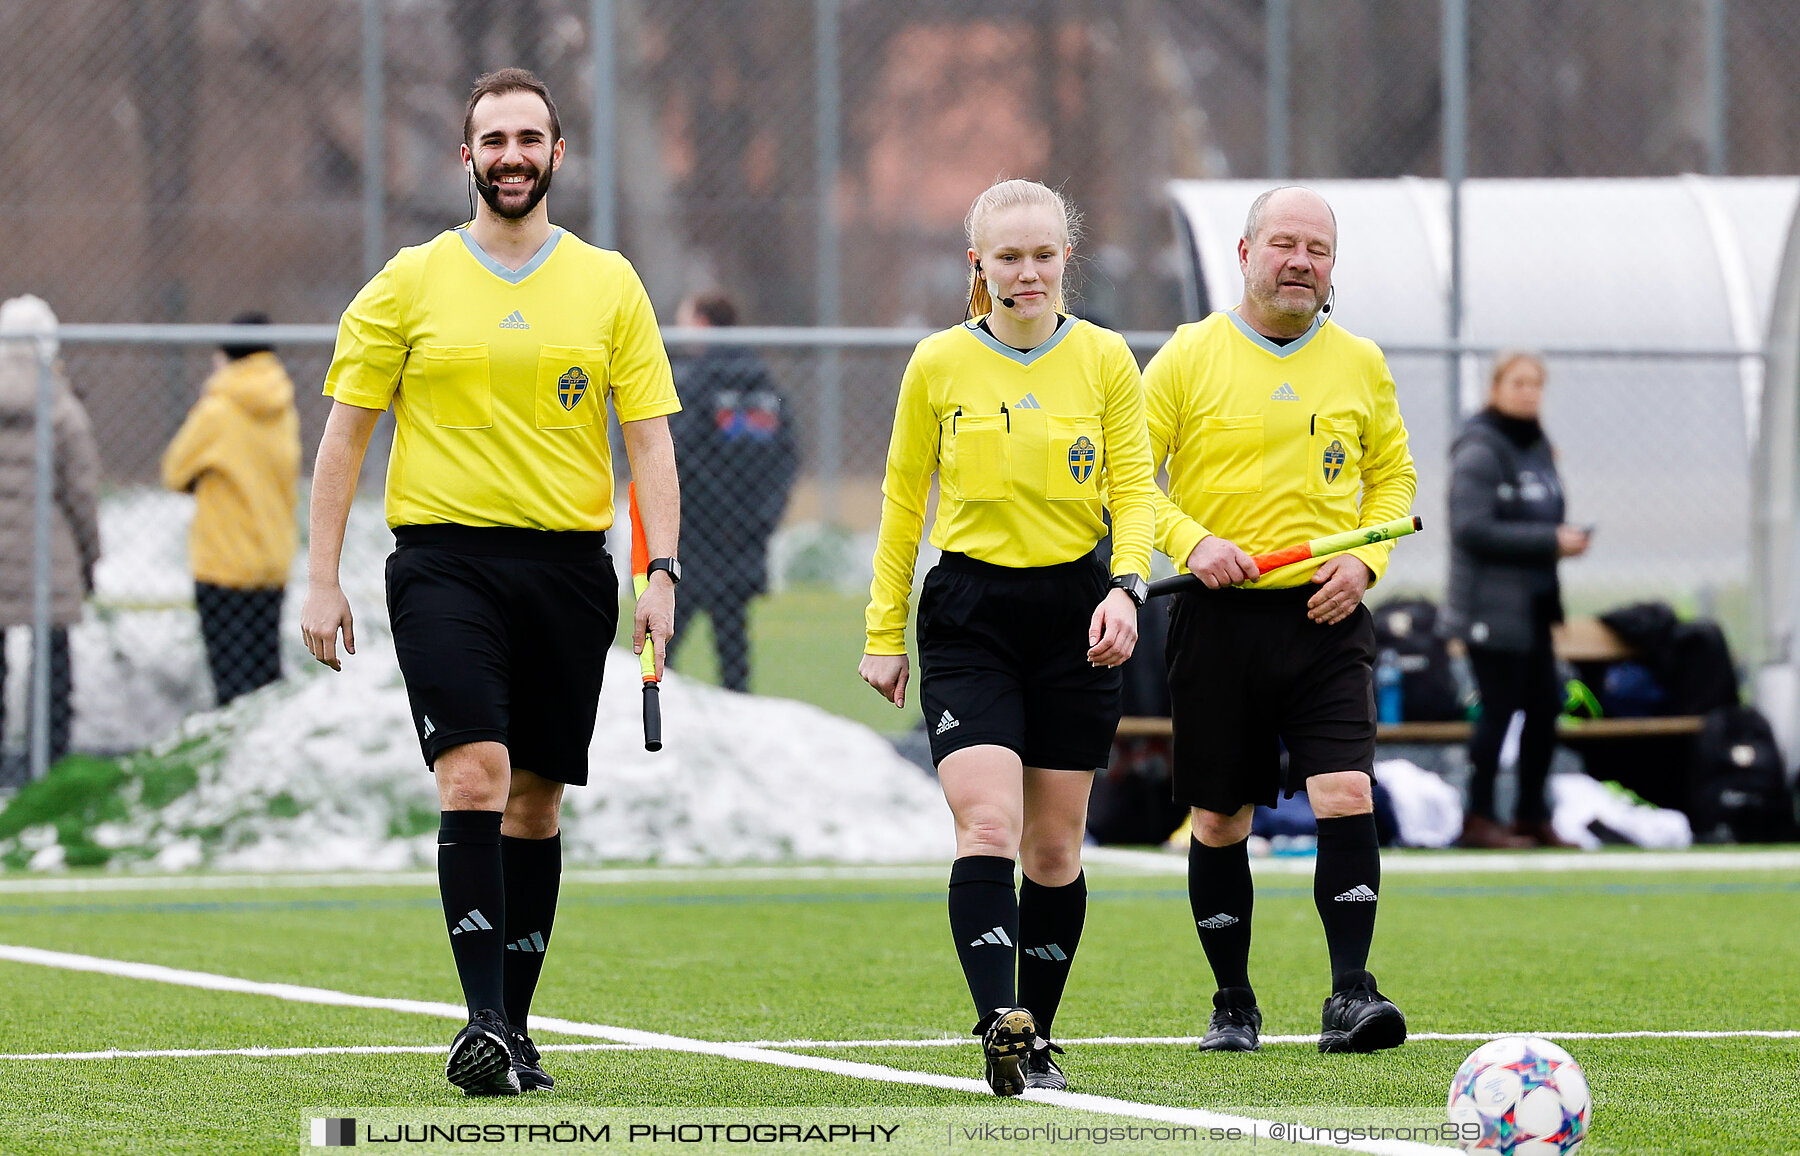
(1033, 421)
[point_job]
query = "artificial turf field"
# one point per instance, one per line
(779, 957)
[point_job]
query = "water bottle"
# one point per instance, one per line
(1388, 702)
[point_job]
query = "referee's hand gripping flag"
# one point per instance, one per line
(646, 644)
(1232, 565)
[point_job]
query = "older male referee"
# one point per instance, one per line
(1279, 427)
(497, 345)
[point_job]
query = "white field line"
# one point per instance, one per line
(1473, 863)
(1411, 862)
(601, 875)
(827, 1045)
(1192, 1117)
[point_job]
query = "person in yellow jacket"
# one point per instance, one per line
(238, 453)
(1279, 427)
(1033, 422)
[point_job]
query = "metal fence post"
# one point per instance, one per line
(1717, 91)
(1455, 65)
(374, 166)
(44, 479)
(1276, 48)
(602, 46)
(827, 113)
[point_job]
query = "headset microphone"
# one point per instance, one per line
(1006, 301)
(481, 184)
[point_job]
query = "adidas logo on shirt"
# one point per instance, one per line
(514, 320)
(533, 942)
(1218, 921)
(946, 722)
(1285, 393)
(473, 921)
(1358, 894)
(430, 727)
(1049, 951)
(1029, 401)
(994, 938)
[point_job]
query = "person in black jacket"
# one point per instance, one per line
(1507, 534)
(734, 450)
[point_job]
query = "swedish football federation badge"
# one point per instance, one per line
(571, 387)
(1081, 459)
(1334, 460)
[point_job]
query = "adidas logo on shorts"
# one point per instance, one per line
(946, 722)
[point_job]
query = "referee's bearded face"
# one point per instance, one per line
(1287, 265)
(512, 151)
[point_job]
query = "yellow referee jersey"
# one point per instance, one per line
(1270, 444)
(499, 379)
(1027, 448)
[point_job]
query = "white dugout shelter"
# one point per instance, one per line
(1669, 310)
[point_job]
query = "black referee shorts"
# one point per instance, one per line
(1248, 672)
(1003, 661)
(502, 636)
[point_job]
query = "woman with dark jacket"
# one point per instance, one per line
(1507, 534)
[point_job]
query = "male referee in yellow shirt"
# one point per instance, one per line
(498, 345)
(1279, 427)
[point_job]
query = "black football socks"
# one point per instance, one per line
(1221, 895)
(1050, 921)
(1346, 882)
(984, 918)
(469, 879)
(533, 870)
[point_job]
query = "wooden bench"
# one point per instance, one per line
(1578, 640)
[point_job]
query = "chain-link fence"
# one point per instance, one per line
(812, 159)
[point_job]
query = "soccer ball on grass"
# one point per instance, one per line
(1529, 1097)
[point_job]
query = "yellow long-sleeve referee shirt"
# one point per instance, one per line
(1028, 447)
(499, 379)
(1269, 445)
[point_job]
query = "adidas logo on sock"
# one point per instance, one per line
(1358, 894)
(1049, 951)
(473, 921)
(1285, 393)
(946, 722)
(532, 942)
(514, 320)
(1217, 921)
(994, 938)
(1029, 401)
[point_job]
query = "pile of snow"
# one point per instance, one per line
(324, 772)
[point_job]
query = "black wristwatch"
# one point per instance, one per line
(668, 565)
(1134, 586)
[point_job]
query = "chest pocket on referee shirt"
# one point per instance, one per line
(975, 462)
(570, 379)
(1333, 454)
(1076, 450)
(1231, 454)
(456, 382)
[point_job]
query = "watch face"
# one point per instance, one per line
(1134, 586)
